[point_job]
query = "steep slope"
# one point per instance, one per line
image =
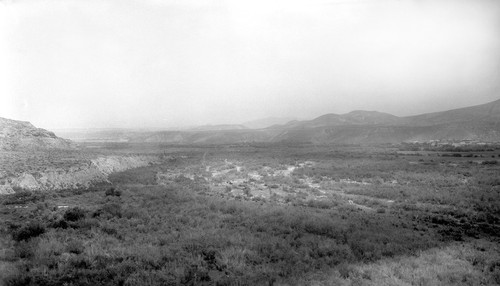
(42, 171)
(21, 135)
(489, 112)
(267, 122)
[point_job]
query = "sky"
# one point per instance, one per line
(175, 63)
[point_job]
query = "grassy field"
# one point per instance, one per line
(263, 215)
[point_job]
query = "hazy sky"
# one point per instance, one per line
(163, 63)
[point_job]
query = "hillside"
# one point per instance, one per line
(358, 117)
(489, 112)
(21, 135)
(267, 122)
(480, 122)
(205, 137)
(219, 127)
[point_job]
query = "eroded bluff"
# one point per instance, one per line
(91, 172)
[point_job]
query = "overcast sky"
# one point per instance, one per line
(164, 63)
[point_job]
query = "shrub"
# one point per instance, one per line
(113, 192)
(23, 197)
(345, 270)
(320, 204)
(75, 246)
(33, 229)
(25, 249)
(74, 214)
(80, 262)
(59, 224)
(109, 230)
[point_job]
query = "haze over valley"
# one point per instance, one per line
(214, 142)
(479, 123)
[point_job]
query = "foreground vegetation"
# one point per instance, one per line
(353, 217)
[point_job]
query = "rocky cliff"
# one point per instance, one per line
(21, 135)
(80, 176)
(36, 159)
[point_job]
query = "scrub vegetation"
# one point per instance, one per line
(263, 215)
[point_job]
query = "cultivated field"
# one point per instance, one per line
(263, 214)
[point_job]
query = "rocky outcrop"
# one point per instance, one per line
(83, 176)
(111, 164)
(21, 135)
(43, 169)
(6, 190)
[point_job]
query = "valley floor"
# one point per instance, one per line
(262, 215)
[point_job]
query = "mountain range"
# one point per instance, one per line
(480, 122)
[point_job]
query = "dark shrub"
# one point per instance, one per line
(110, 192)
(80, 262)
(109, 230)
(33, 229)
(74, 214)
(24, 249)
(113, 192)
(59, 224)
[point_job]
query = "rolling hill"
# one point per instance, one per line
(489, 112)
(267, 122)
(480, 122)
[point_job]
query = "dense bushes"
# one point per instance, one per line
(176, 238)
(22, 197)
(33, 229)
(178, 235)
(74, 214)
(113, 192)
